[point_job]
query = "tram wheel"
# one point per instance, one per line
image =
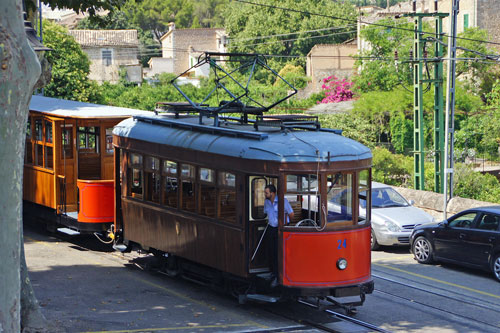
(495, 266)
(373, 242)
(422, 250)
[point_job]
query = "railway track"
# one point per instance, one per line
(463, 303)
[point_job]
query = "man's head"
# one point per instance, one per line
(270, 191)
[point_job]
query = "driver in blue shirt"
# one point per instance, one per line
(271, 209)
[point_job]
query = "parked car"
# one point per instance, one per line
(470, 238)
(393, 218)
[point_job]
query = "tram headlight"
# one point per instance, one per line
(342, 264)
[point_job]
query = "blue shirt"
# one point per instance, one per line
(271, 209)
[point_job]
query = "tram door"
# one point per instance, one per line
(258, 259)
(89, 154)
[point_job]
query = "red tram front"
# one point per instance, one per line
(192, 192)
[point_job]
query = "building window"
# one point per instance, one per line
(107, 57)
(466, 21)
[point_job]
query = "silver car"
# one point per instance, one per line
(393, 218)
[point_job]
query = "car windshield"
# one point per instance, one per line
(383, 198)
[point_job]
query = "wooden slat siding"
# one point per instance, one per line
(200, 240)
(38, 186)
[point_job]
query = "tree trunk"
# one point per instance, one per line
(19, 70)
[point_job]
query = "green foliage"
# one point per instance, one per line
(294, 75)
(476, 70)
(254, 29)
(377, 67)
(391, 168)
(474, 185)
(401, 132)
(70, 67)
(155, 15)
(353, 127)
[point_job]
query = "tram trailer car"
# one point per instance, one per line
(193, 193)
(68, 164)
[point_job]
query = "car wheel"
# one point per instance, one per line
(374, 244)
(495, 266)
(422, 250)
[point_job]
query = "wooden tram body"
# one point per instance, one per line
(68, 169)
(194, 192)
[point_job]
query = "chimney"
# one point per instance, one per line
(171, 26)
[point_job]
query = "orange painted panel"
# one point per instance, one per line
(310, 258)
(96, 201)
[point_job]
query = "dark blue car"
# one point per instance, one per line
(470, 238)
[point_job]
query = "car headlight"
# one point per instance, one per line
(391, 226)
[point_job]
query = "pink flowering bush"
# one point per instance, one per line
(336, 90)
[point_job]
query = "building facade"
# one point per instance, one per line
(108, 51)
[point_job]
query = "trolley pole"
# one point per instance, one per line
(450, 106)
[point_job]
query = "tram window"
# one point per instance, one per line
(152, 179)
(48, 132)
(88, 139)
(302, 193)
(258, 198)
(135, 175)
(28, 129)
(170, 167)
(339, 197)
(109, 141)
(207, 175)
(38, 130)
(188, 187)
(170, 188)
(28, 159)
(39, 155)
(227, 179)
(208, 192)
(136, 189)
(28, 152)
(170, 183)
(364, 194)
(135, 160)
(227, 197)
(49, 157)
(67, 141)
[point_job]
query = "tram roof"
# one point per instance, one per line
(65, 108)
(243, 141)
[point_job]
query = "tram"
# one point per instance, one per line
(68, 164)
(189, 188)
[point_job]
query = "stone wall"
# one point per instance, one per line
(432, 202)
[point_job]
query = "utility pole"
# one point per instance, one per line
(418, 109)
(450, 106)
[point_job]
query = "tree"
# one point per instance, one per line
(19, 71)
(70, 66)
(260, 29)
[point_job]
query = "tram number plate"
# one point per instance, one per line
(342, 244)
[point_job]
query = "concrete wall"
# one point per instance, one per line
(432, 202)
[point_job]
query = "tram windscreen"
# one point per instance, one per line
(339, 197)
(302, 193)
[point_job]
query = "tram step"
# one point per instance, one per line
(262, 298)
(68, 231)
